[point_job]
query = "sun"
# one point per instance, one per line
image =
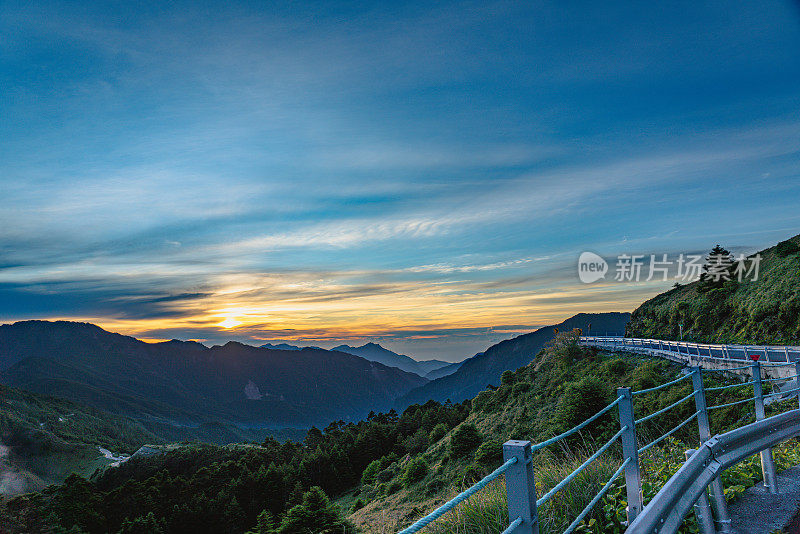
(229, 322)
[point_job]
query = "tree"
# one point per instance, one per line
(489, 453)
(296, 496)
(314, 515)
(415, 471)
(717, 269)
(507, 378)
(141, 525)
(371, 471)
(265, 524)
(438, 432)
(464, 440)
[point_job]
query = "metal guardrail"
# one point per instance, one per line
(771, 353)
(518, 469)
(665, 512)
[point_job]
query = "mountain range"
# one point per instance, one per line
(175, 385)
(187, 383)
(483, 369)
(376, 353)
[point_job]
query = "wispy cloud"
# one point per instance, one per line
(406, 173)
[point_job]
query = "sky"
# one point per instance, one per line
(420, 174)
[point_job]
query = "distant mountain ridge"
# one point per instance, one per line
(188, 383)
(376, 353)
(279, 346)
(474, 374)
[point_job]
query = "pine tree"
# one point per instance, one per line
(316, 514)
(265, 524)
(717, 269)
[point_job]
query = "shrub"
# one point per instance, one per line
(434, 486)
(394, 487)
(417, 442)
(386, 475)
(415, 471)
(438, 432)
(787, 248)
(520, 388)
(472, 473)
(507, 378)
(464, 440)
(580, 401)
(617, 366)
(482, 401)
(489, 453)
(358, 505)
(371, 472)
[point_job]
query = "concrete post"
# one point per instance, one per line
(767, 463)
(520, 487)
(630, 451)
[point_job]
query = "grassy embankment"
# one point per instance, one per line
(564, 386)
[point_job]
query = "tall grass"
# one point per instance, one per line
(486, 511)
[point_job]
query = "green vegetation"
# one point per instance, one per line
(415, 471)
(763, 311)
(565, 385)
(30, 421)
(47, 439)
(199, 488)
(464, 440)
(314, 514)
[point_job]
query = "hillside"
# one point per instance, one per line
(566, 385)
(385, 471)
(765, 311)
(186, 383)
(448, 369)
(376, 353)
(45, 439)
(483, 369)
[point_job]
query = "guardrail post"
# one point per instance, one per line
(630, 451)
(702, 508)
(704, 429)
(767, 463)
(520, 487)
(797, 379)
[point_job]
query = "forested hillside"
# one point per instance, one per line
(762, 311)
(564, 386)
(44, 439)
(205, 488)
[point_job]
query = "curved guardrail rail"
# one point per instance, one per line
(666, 511)
(671, 505)
(727, 352)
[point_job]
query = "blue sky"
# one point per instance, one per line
(423, 175)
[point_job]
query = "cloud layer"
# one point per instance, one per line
(421, 175)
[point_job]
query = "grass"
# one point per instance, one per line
(486, 512)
